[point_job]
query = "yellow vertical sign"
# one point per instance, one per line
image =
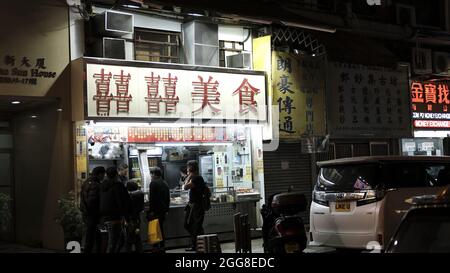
(298, 89)
(262, 61)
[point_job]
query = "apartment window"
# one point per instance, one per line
(156, 46)
(227, 48)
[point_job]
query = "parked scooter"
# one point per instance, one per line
(283, 228)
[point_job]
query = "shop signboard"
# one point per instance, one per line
(174, 92)
(368, 101)
(298, 90)
(35, 47)
(262, 61)
(430, 103)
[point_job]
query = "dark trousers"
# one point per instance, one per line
(193, 222)
(133, 237)
(115, 232)
(161, 245)
(92, 236)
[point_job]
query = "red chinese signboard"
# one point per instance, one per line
(146, 92)
(430, 104)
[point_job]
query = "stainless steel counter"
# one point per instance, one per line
(219, 219)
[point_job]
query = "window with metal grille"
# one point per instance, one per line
(156, 46)
(227, 48)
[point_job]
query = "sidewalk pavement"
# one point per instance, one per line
(257, 248)
(17, 248)
(226, 248)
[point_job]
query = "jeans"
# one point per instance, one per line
(115, 232)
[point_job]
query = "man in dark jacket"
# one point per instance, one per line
(133, 227)
(115, 207)
(123, 173)
(194, 211)
(159, 200)
(90, 208)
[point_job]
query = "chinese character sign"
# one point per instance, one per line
(430, 104)
(371, 101)
(34, 53)
(145, 92)
(298, 90)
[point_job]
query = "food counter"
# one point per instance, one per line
(225, 203)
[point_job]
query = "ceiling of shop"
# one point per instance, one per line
(7, 109)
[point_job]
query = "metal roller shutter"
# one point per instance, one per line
(379, 148)
(343, 150)
(361, 149)
(286, 167)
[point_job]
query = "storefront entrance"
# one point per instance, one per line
(6, 176)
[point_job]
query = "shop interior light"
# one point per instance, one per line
(195, 14)
(172, 125)
(119, 124)
(171, 144)
(230, 125)
(33, 116)
(15, 102)
(431, 134)
(169, 125)
(131, 6)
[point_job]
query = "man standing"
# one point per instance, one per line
(115, 208)
(194, 211)
(133, 227)
(123, 174)
(90, 208)
(159, 200)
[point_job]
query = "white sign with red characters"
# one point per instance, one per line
(141, 92)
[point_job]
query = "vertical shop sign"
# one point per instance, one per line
(430, 105)
(368, 101)
(262, 61)
(299, 86)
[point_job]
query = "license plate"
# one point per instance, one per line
(342, 206)
(291, 247)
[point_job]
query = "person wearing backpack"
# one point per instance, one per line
(90, 208)
(195, 209)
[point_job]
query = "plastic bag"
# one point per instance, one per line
(154, 232)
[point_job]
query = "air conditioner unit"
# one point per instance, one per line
(112, 48)
(201, 43)
(440, 63)
(114, 24)
(241, 60)
(406, 15)
(421, 61)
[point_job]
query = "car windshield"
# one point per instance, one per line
(425, 231)
(358, 177)
(347, 178)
